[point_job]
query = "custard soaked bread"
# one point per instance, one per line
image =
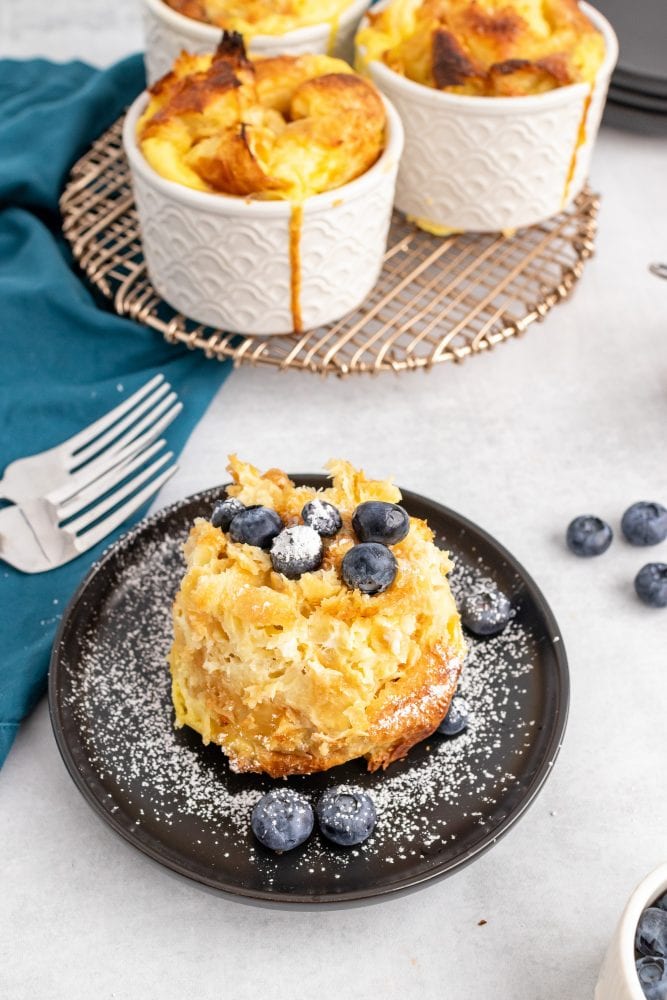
(295, 675)
(281, 128)
(492, 48)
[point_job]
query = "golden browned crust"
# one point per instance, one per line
(451, 66)
(486, 47)
(292, 677)
(286, 127)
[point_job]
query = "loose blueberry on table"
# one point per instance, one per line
(224, 512)
(588, 535)
(651, 944)
(486, 612)
(369, 567)
(282, 819)
(296, 551)
(323, 517)
(256, 526)
(378, 521)
(346, 815)
(457, 718)
(651, 585)
(645, 523)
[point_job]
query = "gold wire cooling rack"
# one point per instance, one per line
(436, 299)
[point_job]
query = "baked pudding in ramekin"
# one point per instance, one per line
(264, 187)
(296, 672)
(292, 27)
(501, 102)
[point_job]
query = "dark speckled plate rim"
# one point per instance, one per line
(367, 893)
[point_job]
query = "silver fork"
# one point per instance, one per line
(47, 532)
(97, 449)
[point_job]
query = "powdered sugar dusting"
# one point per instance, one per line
(440, 801)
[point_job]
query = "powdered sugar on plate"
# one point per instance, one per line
(169, 792)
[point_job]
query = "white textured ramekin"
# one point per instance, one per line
(618, 975)
(494, 163)
(167, 33)
(225, 261)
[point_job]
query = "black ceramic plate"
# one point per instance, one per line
(178, 802)
(641, 27)
(641, 102)
(633, 119)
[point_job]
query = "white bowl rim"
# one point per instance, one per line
(226, 204)
(501, 105)
(652, 886)
(210, 33)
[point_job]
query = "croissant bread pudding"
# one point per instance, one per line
(277, 128)
(261, 17)
(492, 48)
(302, 642)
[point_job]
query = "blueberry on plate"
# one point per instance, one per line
(645, 523)
(282, 819)
(652, 974)
(256, 526)
(323, 517)
(225, 511)
(457, 718)
(588, 535)
(651, 585)
(651, 937)
(369, 567)
(486, 612)
(661, 902)
(377, 521)
(346, 815)
(296, 550)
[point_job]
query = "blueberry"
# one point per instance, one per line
(369, 567)
(652, 974)
(661, 902)
(377, 521)
(282, 819)
(486, 612)
(225, 512)
(323, 517)
(645, 523)
(296, 550)
(588, 535)
(256, 526)
(346, 815)
(457, 717)
(651, 584)
(651, 937)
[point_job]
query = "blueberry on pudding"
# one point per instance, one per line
(224, 512)
(323, 517)
(296, 551)
(256, 525)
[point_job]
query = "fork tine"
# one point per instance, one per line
(104, 528)
(94, 514)
(112, 458)
(93, 491)
(100, 443)
(92, 430)
(142, 424)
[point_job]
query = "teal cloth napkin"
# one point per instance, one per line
(64, 361)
